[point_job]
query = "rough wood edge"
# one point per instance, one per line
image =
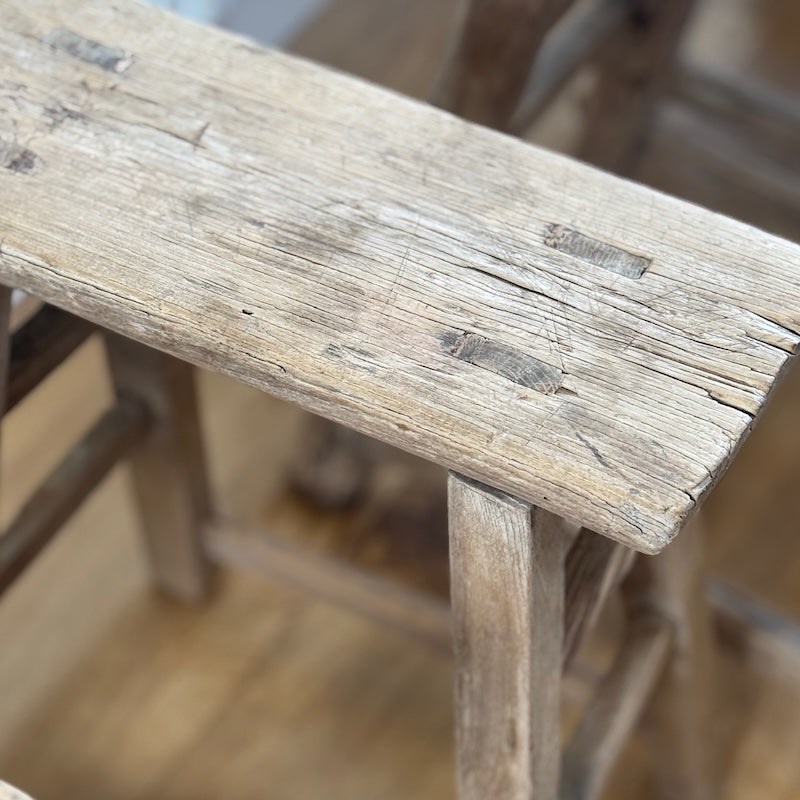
(637, 524)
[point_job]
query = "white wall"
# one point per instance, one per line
(271, 22)
(201, 10)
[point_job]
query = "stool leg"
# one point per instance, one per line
(631, 68)
(168, 468)
(680, 718)
(5, 343)
(485, 72)
(5, 347)
(507, 585)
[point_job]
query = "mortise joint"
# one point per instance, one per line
(593, 251)
(111, 59)
(504, 360)
(16, 158)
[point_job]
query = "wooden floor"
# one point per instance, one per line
(108, 691)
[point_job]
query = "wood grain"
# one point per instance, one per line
(322, 239)
(507, 588)
(207, 699)
(169, 467)
(379, 703)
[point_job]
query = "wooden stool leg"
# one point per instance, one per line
(5, 348)
(485, 73)
(507, 585)
(168, 469)
(681, 715)
(632, 67)
(5, 343)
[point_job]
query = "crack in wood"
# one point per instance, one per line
(593, 450)
(504, 360)
(111, 59)
(593, 251)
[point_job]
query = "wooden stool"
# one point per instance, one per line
(583, 354)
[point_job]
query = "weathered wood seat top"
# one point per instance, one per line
(580, 341)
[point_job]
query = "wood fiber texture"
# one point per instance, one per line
(332, 243)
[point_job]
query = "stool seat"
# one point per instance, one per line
(8, 792)
(584, 343)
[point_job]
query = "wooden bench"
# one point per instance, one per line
(580, 351)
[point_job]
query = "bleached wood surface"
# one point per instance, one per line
(581, 342)
(10, 793)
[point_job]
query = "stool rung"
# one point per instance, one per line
(595, 566)
(736, 99)
(70, 483)
(390, 602)
(39, 346)
(614, 710)
(755, 633)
